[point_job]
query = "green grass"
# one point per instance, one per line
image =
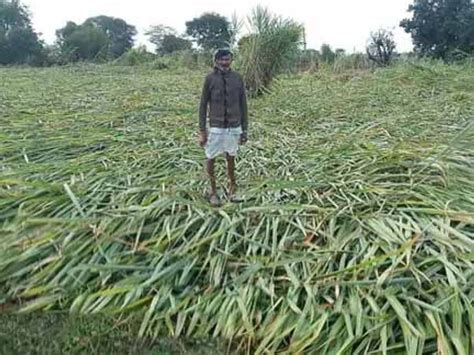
(56, 333)
(356, 236)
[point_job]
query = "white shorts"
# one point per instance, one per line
(222, 140)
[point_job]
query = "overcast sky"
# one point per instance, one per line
(341, 23)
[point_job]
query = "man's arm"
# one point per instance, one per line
(203, 106)
(244, 111)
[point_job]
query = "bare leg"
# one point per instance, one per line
(212, 178)
(231, 175)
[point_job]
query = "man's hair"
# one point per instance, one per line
(222, 52)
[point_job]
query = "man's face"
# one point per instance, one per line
(224, 61)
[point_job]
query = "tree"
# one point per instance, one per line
(381, 47)
(166, 39)
(80, 42)
(19, 43)
(327, 54)
(157, 33)
(100, 37)
(172, 43)
(76, 42)
(340, 52)
(13, 14)
(210, 31)
(119, 33)
(441, 27)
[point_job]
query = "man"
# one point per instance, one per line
(224, 93)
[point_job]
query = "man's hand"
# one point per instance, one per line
(202, 138)
(243, 138)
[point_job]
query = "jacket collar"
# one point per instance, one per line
(220, 71)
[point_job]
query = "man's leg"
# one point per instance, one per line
(231, 175)
(212, 178)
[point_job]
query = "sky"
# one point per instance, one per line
(341, 23)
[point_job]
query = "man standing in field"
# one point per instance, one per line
(223, 95)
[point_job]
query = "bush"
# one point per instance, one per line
(135, 56)
(356, 61)
(308, 60)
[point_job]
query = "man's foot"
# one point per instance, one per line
(231, 192)
(214, 201)
(234, 197)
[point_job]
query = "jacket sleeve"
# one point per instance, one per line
(243, 107)
(203, 105)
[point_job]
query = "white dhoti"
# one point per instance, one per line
(222, 140)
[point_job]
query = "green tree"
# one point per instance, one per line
(157, 33)
(19, 43)
(172, 43)
(64, 33)
(119, 33)
(166, 40)
(340, 52)
(73, 44)
(82, 42)
(441, 27)
(100, 37)
(210, 31)
(327, 54)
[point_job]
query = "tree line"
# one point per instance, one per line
(439, 29)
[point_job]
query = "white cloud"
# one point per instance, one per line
(341, 23)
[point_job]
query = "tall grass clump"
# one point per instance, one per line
(272, 42)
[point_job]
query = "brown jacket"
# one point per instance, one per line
(224, 92)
